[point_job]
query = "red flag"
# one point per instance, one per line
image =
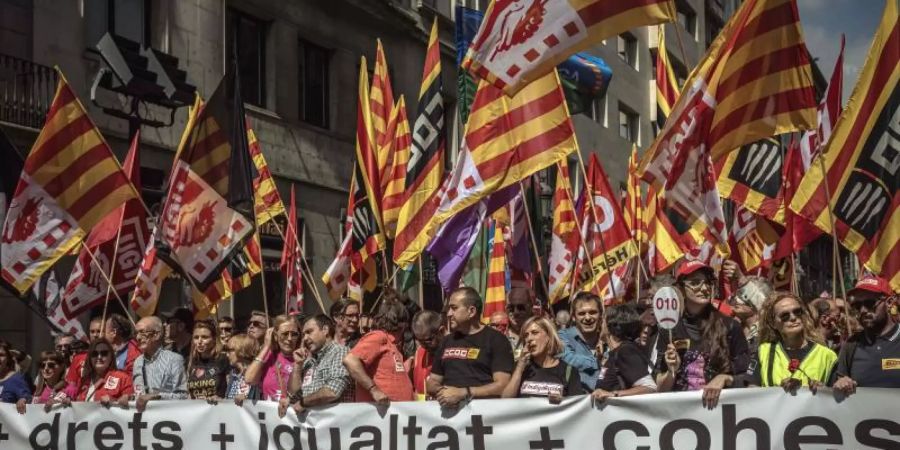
(290, 263)
(125, 228)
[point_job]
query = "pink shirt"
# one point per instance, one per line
(274, 365)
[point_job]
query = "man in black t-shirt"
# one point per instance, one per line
(626, 370)
(473, 361)
(871, 358)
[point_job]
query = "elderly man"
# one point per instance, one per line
(158, 373)
(871, 357)
(319, 376)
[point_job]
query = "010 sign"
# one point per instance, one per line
(667, 307)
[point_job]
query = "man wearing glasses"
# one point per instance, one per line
(519, 307)
(257, 326)
(226, 329)
(158, 373)
(345, 313)
(870, 358)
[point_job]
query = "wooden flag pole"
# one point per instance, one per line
(262, 275)
(421, 285)
(837, 271)
(571, 196)
(612, 285)
(112, 272)
(108, 280)
(534, 247)
(303, 265)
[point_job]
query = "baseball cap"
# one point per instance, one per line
(870, 283)
(688, 267)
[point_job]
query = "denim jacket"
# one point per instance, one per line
(579, 354)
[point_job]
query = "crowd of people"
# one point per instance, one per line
(754, 337)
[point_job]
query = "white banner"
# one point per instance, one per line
(745, 419)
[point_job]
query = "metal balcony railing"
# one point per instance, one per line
(26, 91)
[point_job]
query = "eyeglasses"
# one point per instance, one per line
(869, 304)
(292, 334)
(516, 307)
(257, 324)
(100, 353)
(147, 333)
(697, 284)
(49, 365)
(786, 316)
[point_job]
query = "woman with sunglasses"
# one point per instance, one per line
(539, 372)
(102, 381)
(207, 369)
(707, 349)
(13, 385)
(51, 383)
(272, 367)
(240, 349)
(791, 351)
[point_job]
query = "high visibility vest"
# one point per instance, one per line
(775, 364)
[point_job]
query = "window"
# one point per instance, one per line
(313, 89)
(627, 48)
(629, 123)
(687, 18)
(248, 34)
(127, 18)
(713, 27)
(598, 110)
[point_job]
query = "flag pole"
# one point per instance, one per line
(107, 279)
(578, 225)
(836, 264)
(612, 285)
(303, 265)
(262, 274)
(421, 285)
(534, 247)
(112, 272)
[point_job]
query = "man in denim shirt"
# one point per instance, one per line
(580, 341)
(158, 373)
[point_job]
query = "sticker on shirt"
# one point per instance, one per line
(398, 364)
(138, 390)
(199, 372)
(308, 376)
(111, 383)
(890, 364)
(540, 388)
(60, 396)
(276, 395)
(461, 353)
(243, 388)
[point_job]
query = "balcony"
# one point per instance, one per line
(26, 91)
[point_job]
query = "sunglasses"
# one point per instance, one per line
(697, 284)
(257, 324)
(49, 365)
(100, 353)
(869, 304)
(786, 316)
(513, 307)
(292, 334)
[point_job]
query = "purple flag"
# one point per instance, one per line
(453, 242)
(520, 252)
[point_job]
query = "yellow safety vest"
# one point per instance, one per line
(774, 364)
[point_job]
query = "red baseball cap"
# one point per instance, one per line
(871, 283)
(688, 267)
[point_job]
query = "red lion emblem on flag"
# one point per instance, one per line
(518, 23)
(26, 224)
(195, 227)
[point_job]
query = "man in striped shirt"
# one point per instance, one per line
(158, 373)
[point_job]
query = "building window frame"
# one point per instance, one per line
(600, 110)
(626, 47)
(307, 51)
(257, 95)
(687, 18)
(96, 26)
(629, 124)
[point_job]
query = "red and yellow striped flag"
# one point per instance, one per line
(634, 203)
(495, 296)
(69, 183)
(663, 249)
(519, 43)
(425, 168)
(381, 102)
(754, 82)
(862, 163)
(395, 179)
(506, 140)
(266, 199)
(566, 237)
(666, 84)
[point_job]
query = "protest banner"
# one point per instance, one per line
(745, 418)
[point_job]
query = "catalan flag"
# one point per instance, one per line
(663, 249)
(117, 243)
(565, 241)
(425, 169)
(290, 263)
(666, 84)
(634, 203)
(394, 181)
(506, 140)
(368, 238)
(70, 182)
(753, 240)
(381, 103)
(266, 200)
(830, 108)
(495, 297)
(754, 82)
(519, 43)
(860, 163)
(752, 176)
(208, 214)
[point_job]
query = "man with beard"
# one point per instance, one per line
(319, 376)
(870, 358)
(473, 361)
(580, 341)
(520, 307)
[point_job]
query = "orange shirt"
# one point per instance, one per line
(384, 364)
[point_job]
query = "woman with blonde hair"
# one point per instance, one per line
(792, 353)
(539, 372)
(271, 368)
(240, 349)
